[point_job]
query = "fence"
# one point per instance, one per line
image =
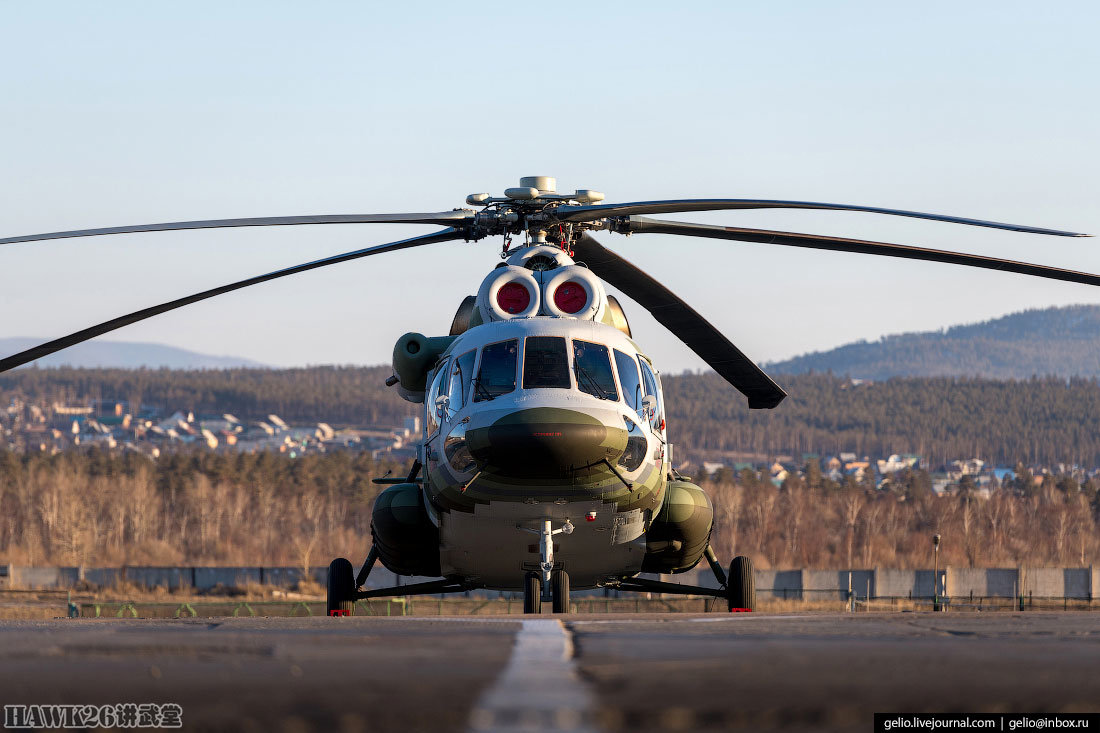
(799, 584)
(413, 606)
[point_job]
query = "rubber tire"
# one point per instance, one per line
(532, 593)
(741, 584)
(559, 588)
(341, 586)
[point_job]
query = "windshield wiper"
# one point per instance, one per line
(600, 393)
(481, 391)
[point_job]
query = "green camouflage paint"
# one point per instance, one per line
(679, 534)
(406, 540)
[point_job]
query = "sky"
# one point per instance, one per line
(134, 112)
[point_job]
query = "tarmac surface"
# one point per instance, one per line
(813, 671)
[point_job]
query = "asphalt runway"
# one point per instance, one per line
(572, 672)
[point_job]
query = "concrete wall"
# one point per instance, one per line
(226, 577)
(786, 584)
(164, 577)
(1043, 582)
(803, 584)
(983, 582)
(42, 578)
(891, 583)
(821, 585)
(1077, 582)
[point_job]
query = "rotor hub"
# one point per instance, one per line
(529, 209)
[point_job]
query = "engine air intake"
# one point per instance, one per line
(570, 297)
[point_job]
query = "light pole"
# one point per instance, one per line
(936, 572)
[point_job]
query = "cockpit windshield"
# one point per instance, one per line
(545, 363)
(592, 365)
(497, 374)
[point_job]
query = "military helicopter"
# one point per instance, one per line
(545, 454)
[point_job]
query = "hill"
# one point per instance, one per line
(125, 355)
(1049, 342)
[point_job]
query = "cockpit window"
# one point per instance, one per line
(439, 386)
(651, 388)
(545, 363)
(461, 376)
(592, 365)
(650, 381)
(497, 374)
(628, 378)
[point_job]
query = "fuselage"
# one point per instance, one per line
(542, 418)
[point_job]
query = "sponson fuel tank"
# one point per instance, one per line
(406, 539)
(681, 530)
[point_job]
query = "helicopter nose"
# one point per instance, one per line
(546, 441)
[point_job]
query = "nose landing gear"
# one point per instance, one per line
(548, 584)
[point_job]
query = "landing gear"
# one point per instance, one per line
(368, 564)
(341, 588)
(532, 593)
(559, 589)
(543, 583)
(741, 586)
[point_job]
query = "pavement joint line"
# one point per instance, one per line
(539, 689)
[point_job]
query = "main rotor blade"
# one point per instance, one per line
(37, 352)
(441, 218)
(600, 211)
(678, 317)
(641, 224)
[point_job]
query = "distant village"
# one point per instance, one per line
(56, 427)
(975, 475)
(112, 425)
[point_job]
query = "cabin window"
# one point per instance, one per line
(461, 375)
(545, 363)
(592, 365)
(628, 378)
(497, 374)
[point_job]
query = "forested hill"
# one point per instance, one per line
(1053, 341)
(338, 395)
(1036, 421)
(1043, 421)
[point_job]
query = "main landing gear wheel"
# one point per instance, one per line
(341, 588)
(741, 585)
(559, 587)
(532, 593)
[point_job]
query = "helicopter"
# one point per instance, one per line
(545, 462)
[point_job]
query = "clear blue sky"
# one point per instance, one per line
(126, 113)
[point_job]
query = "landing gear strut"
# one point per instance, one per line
(548, 583)
(738, 589)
